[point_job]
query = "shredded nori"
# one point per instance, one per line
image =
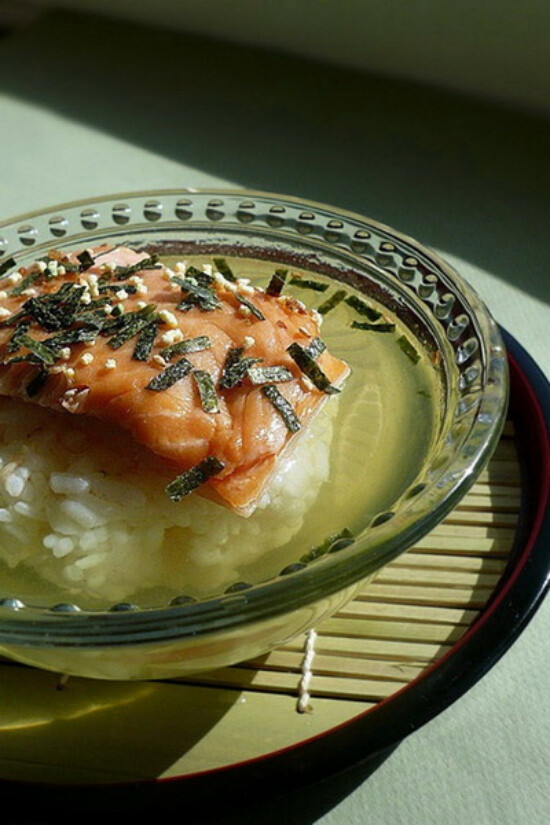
(207, 391)
(145, 342)
(311, 369)
(202, 278)
(86, 332)
(7, 265)
(168, 377)
(35, 384)
(131, 289)
(26, 283)
(56, 310)
(333, 543)
(306, 283)
(267, 375)
(362, 308)
(235, 368)
(283, 407)
(85, 260)
(201, 342)
(127, 326)
(189, 481)
(121, 273)
(196, 296)
(38, 348)
(21, 329)
(378, 327)
(277, 282)
(315, 348)
(332, 301)
(408, 349)
(249, 305)
(224, 269)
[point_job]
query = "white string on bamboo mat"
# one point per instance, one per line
(303, 704)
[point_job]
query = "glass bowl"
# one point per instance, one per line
(443, 314)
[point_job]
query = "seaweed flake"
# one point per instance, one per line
(145, 341)
(192, 479)
(224, 269)
(332, 301)
(168, 377)
(6, 266)
(406, 346)
(235, 368)
(36, 384)
(277, 282)
(197, 296)
(283, 407)
(307, 283)
(250, 306)
(121, 273)
(207, 391)
(311, 369)
(201, 342)
(362, 308)
(268, 375)
(85, 260)
(38, 348)
(377, 327)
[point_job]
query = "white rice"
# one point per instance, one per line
(85, 509)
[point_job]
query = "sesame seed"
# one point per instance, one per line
(41, 265)
(141, 305)
(135, 279)
(15, 278)
(172, 336)
(3, 294)
(244, 311)
(86, 298)
(110, 364)
(4, 312)
(65, 353)
(69, 372)
(142, 289)
(86, 358)
(248, 341)
(30, 292)
(231, 287)
(61, 270)
(121, 294)
(158, 359)
(181, 267)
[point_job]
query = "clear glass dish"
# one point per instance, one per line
(443, 315)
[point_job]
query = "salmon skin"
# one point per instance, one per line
(214, 376)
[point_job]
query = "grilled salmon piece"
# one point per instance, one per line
(203, 371)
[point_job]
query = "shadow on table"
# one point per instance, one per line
(460, 175)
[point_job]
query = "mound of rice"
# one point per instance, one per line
(85, 509)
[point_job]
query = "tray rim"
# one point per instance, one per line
(383, 727)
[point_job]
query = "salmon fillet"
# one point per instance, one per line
(217, 378)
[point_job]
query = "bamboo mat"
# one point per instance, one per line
(413, 611)
(402, 622)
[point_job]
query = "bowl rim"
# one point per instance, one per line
(67, 625)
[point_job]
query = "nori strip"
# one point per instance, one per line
(58, 309)
(224, 269)
(249, 305)
(189, 481)
(311, 369)
(26, 283)
(121, 273)
(14, 319)
(87, 332)
(35, 384)
(207, 391)
(277, 282)
(267, 375)
(21, 329)
(6, 265)
(128, 325)
(202, 278)
(408, 349)
(283, 407)
(197, 344)
(332, 301)
(315, 348)
(145, 342)
(168, 377)
(235, 368)
(334, 542)
(306, 283)
(199, 296)
(362, 308)
(379, 327)
(38, 348)
(85, 260)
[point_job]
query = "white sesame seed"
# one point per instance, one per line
(168, 318)
(86, 358)
(41, 265)
(244, 311)
(181, 267)
(135, 279)
(121, 294)
(86, 298)
(142, 289)
(231, 287)
(158, 359)
(141, 305)
(3, 294)
(248, 341)
(15, 278)
(171, 337)
(69, 372)
(61, 270)
(110, 364)
(4, 312)
(247, 290)
(207, 269)
(65, 353)
(242, 282)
